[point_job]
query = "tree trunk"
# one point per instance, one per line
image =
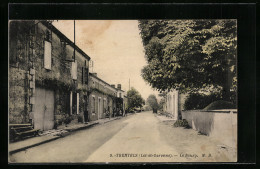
(226, 86)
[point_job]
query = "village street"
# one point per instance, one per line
(141, 137)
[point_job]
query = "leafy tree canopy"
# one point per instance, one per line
(190, 55)
(134, 99)
(152, 102)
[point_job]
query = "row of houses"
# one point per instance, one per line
(49, 79)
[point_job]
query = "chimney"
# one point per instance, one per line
(94, 74)
(114, 86)
(119, 86)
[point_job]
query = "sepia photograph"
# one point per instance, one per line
(122, 91)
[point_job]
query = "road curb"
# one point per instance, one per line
(33, 145)
(70, 131)
(111, 120)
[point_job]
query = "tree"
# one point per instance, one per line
(134, 99)
(190, 55)
(152, 102)
(162, 103)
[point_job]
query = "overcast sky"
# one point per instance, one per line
(116, 48)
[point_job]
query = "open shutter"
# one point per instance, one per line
(74, 70)
(47, 55)
(77, 103)
(70, 102)
(82, 75)
(86, 75)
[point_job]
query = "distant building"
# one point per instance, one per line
(105, 100)
(102, 98)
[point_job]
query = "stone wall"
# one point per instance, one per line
(18, 96)
(26, 50)
(221, 125)
(96, 94)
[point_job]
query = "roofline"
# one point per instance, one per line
(54, 29)
(91, 74)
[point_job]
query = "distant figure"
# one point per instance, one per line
(121, 112)
(108, 109)
(118, 112)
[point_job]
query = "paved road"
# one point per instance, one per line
(135, 142)
(137, 138)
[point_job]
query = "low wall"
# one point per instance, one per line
(222, 125)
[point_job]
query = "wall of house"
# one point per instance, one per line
(27, 52)
(172, 104)
(97, 95)
(59, 77)
(103, 91)
(18, 75)
(220, 125)
(18, 96)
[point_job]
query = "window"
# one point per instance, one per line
(105, 105)
(120, 95)
(47, 55)
(74, 70)
(74, 103)
(85, 74)
(93, 105)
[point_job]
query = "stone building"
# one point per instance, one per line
(105, 100)
(48, 76)
(121, 99)
(101, 99)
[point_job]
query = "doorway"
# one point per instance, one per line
(44, 109)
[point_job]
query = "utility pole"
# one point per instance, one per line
(74, 43)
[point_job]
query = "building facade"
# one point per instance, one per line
(105, 100)
(48, 76)
(101, 99)
(49, 80)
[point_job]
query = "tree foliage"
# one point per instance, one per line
(152, 102)
(162, 103)
(134, 99)
(190, 55)
(199, 101)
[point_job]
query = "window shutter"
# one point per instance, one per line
(77, 103)
(47, 55)
(82, 75)
(70, 102)
(74, 70)
(86, 75)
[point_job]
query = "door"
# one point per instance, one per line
(86, 118)
(44, 109)
(99, 108)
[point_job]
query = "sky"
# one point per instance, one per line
(115, 47)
